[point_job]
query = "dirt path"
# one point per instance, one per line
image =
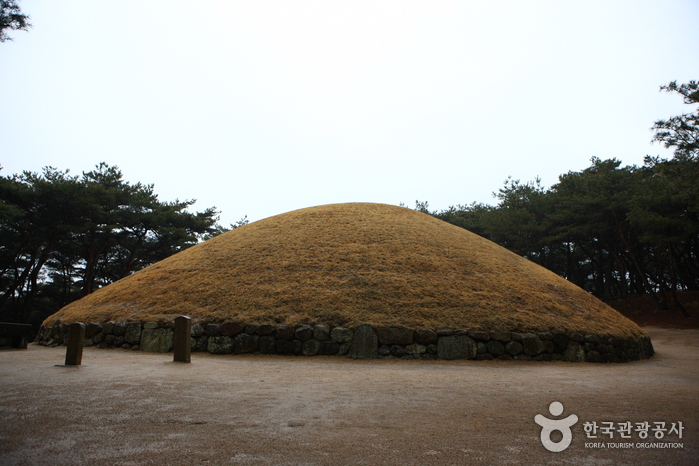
(125, 407)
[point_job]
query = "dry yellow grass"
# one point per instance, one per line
(346, 264)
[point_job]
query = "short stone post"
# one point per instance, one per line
(183, 339)
(76, 338)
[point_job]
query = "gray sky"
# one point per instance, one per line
(262, 107)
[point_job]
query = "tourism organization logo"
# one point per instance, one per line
(561, 425)
(605, 430)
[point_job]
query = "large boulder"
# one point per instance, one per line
(156, 340)
(574, 352)
(364, 344)
(310, 347)
(246, 343)
(513, 348)
(321, 333)
(495, 347)
(231, 329)
(425, 336)
(304, 332)
(532, 344)
(220, 345)
(268, 344)
(342, 334)
(289, 346)
(132, 335)
(394, 335)
(457, 347)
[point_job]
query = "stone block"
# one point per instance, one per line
(415, 349)
(397, 351)
(394, 335)
(108, 328)
(303, 333)
(593, 356)
(364, 345)
(495, 347)
(120, 328)
(132, 336)
(156, 340)
(549, 347)
(574, 352)
(501, 336)
(560, 342)
(251, 329)
(310, 347)
(202, 344)
(220, 345)
(457, 347)
(425, 336)
(92, 329)
(513, 348)
(284, 332)
(197, 330)
(344, 349)
(329, 348)
(246, 343)
(341, 334)
(479, 335)
(384, 351)
(266, 330)
(268, 344)
(532, 344)
(321, 333)
(231, 329)
(289, 346)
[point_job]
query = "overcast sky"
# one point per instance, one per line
(262, 107)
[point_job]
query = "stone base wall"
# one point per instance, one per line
(360, 342)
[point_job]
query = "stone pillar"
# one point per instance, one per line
(76, 338)
(183, 341)
(364, 344)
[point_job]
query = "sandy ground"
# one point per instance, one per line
(123, 407)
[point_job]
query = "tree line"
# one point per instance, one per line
(62, 236)
(612, 230)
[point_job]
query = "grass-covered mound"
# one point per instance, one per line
(346, 264)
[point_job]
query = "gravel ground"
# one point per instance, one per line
(123, 407)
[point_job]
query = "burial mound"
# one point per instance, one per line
(348, 264)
